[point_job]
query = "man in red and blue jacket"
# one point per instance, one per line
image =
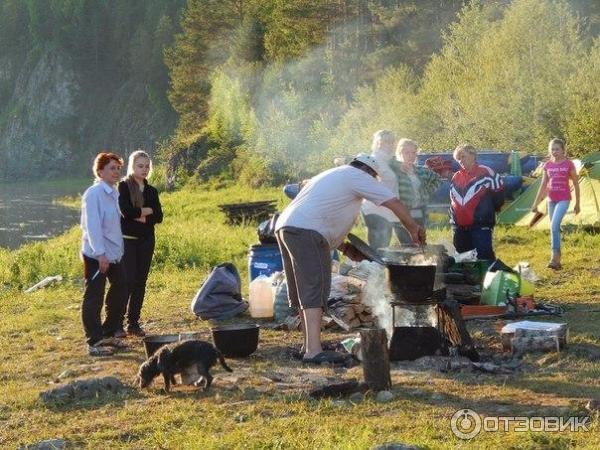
(476, 193)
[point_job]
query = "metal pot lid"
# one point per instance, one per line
(368, 251)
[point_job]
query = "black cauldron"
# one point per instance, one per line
(153, 342)
(237, 340)
(410, 284)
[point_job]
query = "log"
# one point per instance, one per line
(525, 344)
(453, 328)
(376, 361)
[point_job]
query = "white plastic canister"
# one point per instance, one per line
(261, 297)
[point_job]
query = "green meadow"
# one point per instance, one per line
(42, 338)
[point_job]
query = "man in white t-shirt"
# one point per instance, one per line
(317, 221)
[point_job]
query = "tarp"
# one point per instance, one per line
(220, 296)
(519, 211)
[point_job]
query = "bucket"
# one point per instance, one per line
(153, 342)
(264, 259)
(236, 340)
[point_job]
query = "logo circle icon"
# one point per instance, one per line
(465, 424)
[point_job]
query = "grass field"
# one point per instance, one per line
(42, 337)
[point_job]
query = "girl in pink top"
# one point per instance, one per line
(555, 182)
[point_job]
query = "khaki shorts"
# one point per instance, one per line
(307, 265)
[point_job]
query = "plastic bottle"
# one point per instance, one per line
(261, 297)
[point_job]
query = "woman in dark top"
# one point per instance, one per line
(140, 211)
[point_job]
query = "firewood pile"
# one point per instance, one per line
(349, 313)
(345, 306)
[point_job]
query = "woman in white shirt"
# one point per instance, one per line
(102, 250)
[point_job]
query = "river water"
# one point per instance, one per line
(29, 211)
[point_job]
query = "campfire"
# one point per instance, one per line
(411, 304)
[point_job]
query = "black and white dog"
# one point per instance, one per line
(177, 358)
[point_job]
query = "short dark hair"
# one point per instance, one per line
(362, 166)
(103, 159)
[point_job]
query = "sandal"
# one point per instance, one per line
(93, 350)
(326, 357)
(554, 265)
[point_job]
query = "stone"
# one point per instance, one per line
(384, 397)
(357, 397)
(83, 389)
(395, 446)
(338, 403)
(503, 409)
(251, 394)
(240, 418)
(49, 444)
(274, 377)
(437, 397)
(417, 393)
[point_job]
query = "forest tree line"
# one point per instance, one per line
(263, 91)
(286, 86)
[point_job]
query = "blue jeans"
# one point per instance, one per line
(556, 212)
(479, 238)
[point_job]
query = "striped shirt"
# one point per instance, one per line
(430, 181)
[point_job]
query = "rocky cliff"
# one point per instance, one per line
(54, 117)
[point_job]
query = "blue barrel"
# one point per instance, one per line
(264, 259)
(291, 190)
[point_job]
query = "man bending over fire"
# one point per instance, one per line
(316, 222)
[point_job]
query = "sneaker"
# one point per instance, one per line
(111, 342)
(95, 350)
(119, 334)
(136, 331)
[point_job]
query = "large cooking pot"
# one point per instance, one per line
(408, 283)
(411, 284)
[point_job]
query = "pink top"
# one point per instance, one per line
(558, 179)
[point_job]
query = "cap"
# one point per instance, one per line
(367, 160)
